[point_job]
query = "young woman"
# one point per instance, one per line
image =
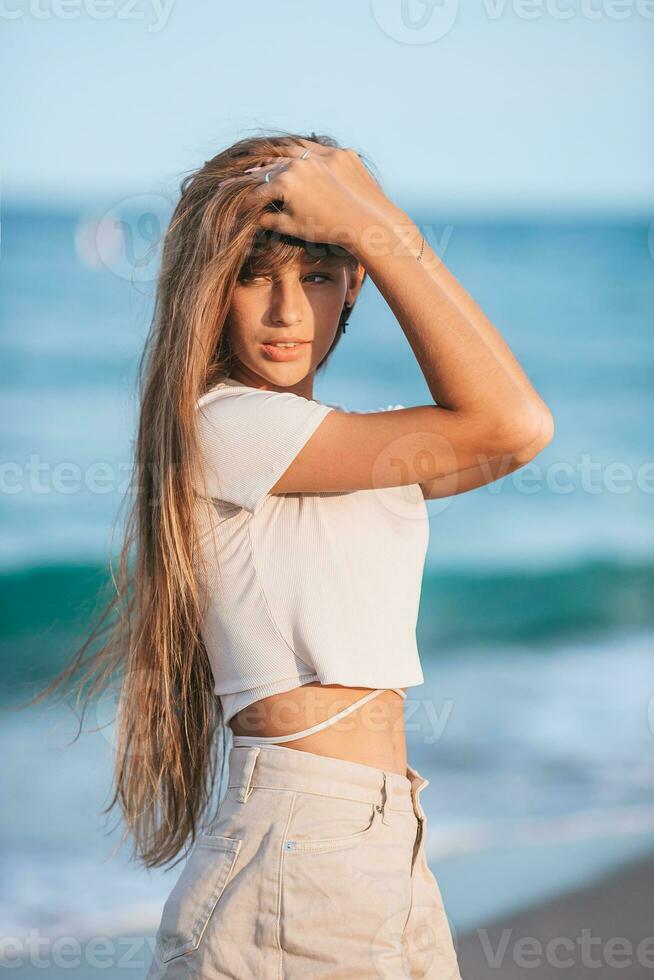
(279, 549)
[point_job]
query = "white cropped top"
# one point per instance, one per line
(300, 587)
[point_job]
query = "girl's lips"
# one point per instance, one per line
(284, 353)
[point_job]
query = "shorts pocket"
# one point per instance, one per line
(318, 824)
(195, 895)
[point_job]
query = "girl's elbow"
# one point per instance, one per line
(532, 433)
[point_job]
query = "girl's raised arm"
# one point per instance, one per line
(485, 409)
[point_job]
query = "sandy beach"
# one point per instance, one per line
(604, 930)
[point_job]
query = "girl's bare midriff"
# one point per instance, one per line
(372, 734)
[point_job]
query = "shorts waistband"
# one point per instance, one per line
(277, 767)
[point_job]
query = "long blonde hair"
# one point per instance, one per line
(168, 718)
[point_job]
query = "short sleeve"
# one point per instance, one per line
(249, 437)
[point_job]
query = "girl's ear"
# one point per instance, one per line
(355, 280)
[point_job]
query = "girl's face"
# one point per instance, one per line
(299, 305)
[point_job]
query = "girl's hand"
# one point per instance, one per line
(329, 196)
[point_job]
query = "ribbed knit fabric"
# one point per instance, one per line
(300, 587)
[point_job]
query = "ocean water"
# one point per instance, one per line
(535, 725)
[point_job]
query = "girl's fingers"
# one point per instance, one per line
(277, 165)
(279, 222)
(293, 152)
(266, 192)
(268, 165)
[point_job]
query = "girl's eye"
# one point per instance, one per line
(246, 280)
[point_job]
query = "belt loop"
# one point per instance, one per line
(420, 785)
(386, 810)
(245, 788)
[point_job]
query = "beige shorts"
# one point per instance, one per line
(313, 867)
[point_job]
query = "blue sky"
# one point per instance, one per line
(481, 103)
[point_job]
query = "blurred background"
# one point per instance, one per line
(518, 136)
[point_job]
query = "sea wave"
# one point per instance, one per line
(46, 610)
